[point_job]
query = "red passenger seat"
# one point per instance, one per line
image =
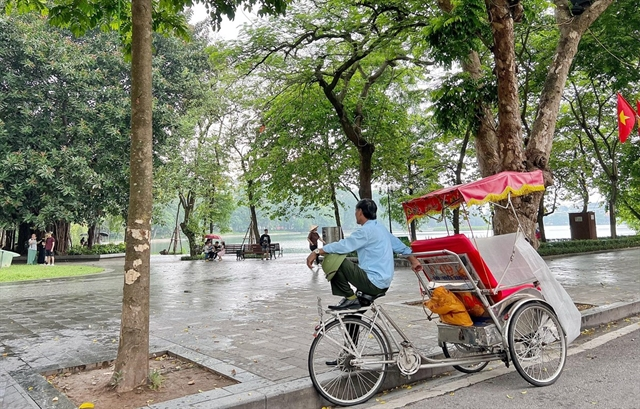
(461, 245)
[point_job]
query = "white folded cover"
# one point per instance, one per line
(513, 261)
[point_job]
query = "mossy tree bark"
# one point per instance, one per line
(132, 363)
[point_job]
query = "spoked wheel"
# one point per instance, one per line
(464, 351)
(537, 343)
(342, 375)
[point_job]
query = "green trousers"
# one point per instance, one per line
(349, 272)
(31, 256)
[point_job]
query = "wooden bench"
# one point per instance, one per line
(252, 251)
(236, 249)
(276, 250)
(243, 251)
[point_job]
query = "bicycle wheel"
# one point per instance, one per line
(537, 344)
(341, 375)
(464, 351)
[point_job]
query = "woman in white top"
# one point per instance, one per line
(32, 252)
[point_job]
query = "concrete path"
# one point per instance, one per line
(250, 320)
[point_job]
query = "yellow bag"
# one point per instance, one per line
(450, 309)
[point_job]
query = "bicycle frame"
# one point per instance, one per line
(400, 348)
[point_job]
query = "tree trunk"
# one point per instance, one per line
(510, 143)
(61, 233)
(538, 148)
(612, 213)
(188, 204)
(91, 235)
(253, 237)
(336, 205)
(366, 171)
(254, 225)
(571, 30)
(486, 140)
(24, 234)
(132, 363)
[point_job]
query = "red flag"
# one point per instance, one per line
(626, 118)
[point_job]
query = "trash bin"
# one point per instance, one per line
(332, 234)
(583, 226)
(6, 257)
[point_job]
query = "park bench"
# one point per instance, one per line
(236, 249)
(252, 251)
(276, 250)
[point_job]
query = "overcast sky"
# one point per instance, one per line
(229, 30)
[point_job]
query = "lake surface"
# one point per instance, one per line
(293, 242)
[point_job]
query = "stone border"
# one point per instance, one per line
(34, 383)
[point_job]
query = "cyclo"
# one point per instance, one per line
(526, 318)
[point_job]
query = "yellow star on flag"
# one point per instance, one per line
(623, 118)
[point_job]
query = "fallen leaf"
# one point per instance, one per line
(86, 405)
(510, 397)
(191, 382)
(55, 399)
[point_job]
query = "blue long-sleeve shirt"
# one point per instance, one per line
(375, 247)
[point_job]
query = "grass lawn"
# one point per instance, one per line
(23, 272)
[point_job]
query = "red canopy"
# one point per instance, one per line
(490, 189)
(213, 236)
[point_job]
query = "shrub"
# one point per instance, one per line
(109, 248)
(554, 248)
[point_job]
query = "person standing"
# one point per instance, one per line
(265, 242)
(42, 253)
(49, 245)
(375, 247)
(313, 239)
(32, 252)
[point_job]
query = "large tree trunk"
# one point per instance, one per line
(132, 363)
(366, 171)
(486, 140)
(509, 133)
(62, 235)
(510, 144)
(571, 30)
(188, 203)
(538, 149)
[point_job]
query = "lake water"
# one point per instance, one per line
(293, 242)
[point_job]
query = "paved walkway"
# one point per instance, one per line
(250, 320)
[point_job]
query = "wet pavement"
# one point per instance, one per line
(250, 320)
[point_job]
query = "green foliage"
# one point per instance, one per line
(458, 100)
(110, 248)
(453, 35)
(584, 246)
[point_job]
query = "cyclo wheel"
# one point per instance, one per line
(537, 344)
(464, 351)
(333, 371)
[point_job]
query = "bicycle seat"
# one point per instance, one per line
(367, 299)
